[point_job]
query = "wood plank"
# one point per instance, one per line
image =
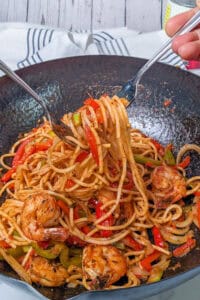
(143, 15)
(43, 12)
(108, 13)
(75, 14)
(13, 10)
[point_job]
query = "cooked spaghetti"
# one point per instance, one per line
(104, 210)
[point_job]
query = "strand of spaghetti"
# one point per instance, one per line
(103, 113)
(124, 166)
(100, 241)
(3, 189)
(136, 259)
(177, 231)
(119, 191)
(160, 249)
(27, 257)
(101, 178)
(106, 102)
(14, 224)
(61, 171)
(60, 196)
(81, 183)
(70, 123)
(186, 148)
(134, 253)
(16, 266)
(192, 179)
(192, 191)
(175, 239)
(142, 225)
(4, 234)
(74, 155)
(118, 227)
(187, 222)
(71, 217)
(4, 156)
(77, 142)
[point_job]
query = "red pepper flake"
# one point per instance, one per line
(167, 102)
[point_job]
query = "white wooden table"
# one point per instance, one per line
(143, 15)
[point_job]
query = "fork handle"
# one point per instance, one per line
(24, 85)
(191, 24)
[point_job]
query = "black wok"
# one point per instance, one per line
(64, 84)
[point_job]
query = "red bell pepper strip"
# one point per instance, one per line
(185, 248)
(4, 244)
(91, 102)
(6, 177)
(92, 143)
(157, 236)
(63, 206)
(197, 194)
(17, 160)
(82, 156)
(184, 164)
(146, 262)
(43, 146)
(107, 222)
(94, 104)
(130, 242)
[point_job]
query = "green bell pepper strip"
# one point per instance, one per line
(169, 157)
(14, 252)
(145, 160)
(76, 118)
(51, 253)
(71, 256)
(156, 275)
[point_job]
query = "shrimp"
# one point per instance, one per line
(168, 186)
(47, 273)
(103, 265)
(39, 219)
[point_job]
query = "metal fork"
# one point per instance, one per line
(130, 89)
(60, 129)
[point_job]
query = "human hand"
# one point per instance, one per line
(186, 45)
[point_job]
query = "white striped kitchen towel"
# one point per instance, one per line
(25, 44)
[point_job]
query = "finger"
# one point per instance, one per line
(198, 3)
(176, 22)
(190, 51)
(184, 39)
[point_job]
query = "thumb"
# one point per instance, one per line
(198, 3)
